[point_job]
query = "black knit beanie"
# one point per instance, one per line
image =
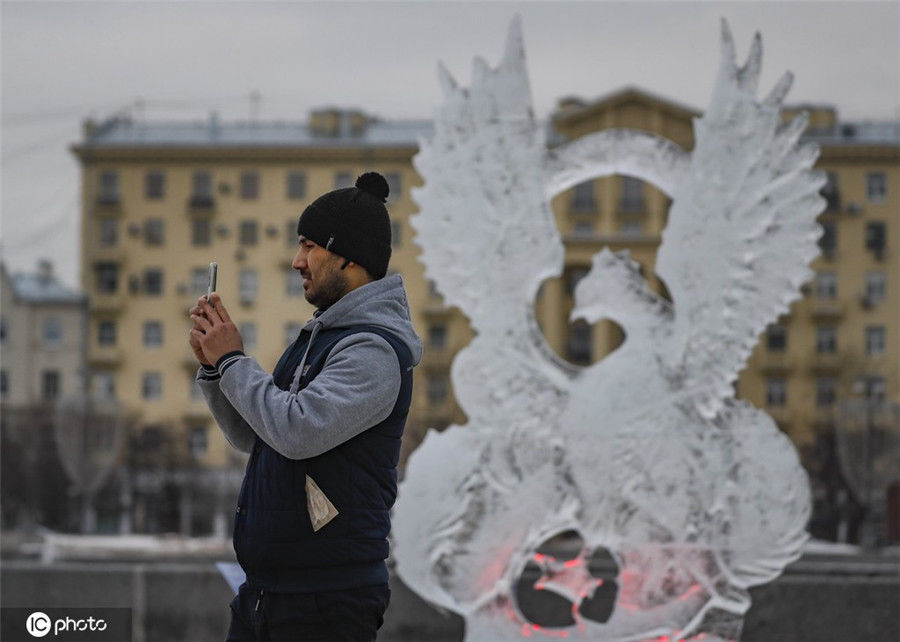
(353, 222)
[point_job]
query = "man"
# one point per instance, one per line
(323, 430)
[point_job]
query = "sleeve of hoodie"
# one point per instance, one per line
(356, 389)
(236, 430)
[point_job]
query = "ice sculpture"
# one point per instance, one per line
(646, 454)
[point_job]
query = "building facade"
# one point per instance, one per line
(161, 201)
(42, 363)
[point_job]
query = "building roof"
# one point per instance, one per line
(124, 132)
(42, 287)
(857, 133)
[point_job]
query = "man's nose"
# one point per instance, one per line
(299, 261)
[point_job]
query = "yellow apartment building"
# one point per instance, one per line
(840, 341)
(162, 200)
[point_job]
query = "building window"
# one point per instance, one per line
(293, 283)
(831, 194)
(52, 332)
(876, 187)
(109, 232)
(296, 185)
(631, 228)
(153, 334)
(875, 340)
(573, 276)
(106, 333)
(155, 185)
(248, 334)
(103, 385)
(437, 336)
(396, 234)
(776, 338)
(632, 195)
(197, 441)
(583, 229)
(579, 346)
(875, 286)
(249, 233)
(153, 281)
(875, 388)
(876, 233)
(107, 278)
(342, 180)
(154, 231)
(291, 233)
(201, 232)
(151, 385)
(583, 197)
(2, 330)
(395, 185)
(109, 188)
(199, 281)
(437, 387)
(249, 185)
(291, 332)
(4, 384)
(201, 190)
(825, 392)
(828, 240)
(248, 285)
(826, 340)
(50, 388)
(776, 391)
(826, 285)
(151, 438)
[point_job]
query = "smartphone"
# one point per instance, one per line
(213, 271)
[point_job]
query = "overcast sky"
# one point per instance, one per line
(63, 62)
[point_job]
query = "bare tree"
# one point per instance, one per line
(89, 434)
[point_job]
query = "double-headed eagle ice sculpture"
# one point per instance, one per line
(646, 454)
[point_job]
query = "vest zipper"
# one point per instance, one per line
(258, 600)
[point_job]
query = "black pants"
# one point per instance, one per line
(352, 614)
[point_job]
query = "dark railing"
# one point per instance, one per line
(201, 203)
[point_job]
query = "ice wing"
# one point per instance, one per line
(741, 229)
(486, 229)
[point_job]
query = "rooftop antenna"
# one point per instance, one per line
(255, 99)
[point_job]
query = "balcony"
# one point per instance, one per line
(438, 357)
(106, 356)
(199, 204)
(827, 362)
(825, 309)
(108, 254)
(107, 302)
(107, 205)
(632, 206)
(775, 363)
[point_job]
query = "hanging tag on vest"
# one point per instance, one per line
(321, 510)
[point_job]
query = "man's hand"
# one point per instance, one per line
(214, 330)
(193, 338)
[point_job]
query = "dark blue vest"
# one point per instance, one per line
(273, 536)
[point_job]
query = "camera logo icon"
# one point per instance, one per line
(38, 624)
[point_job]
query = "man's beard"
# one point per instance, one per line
(330, 289)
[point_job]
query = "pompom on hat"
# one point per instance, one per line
(353, 222)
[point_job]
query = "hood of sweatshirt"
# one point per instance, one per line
(381, 303)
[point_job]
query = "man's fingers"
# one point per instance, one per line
(210, 312)
(220, 308)
(200, 323)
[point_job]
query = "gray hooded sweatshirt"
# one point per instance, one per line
(356, 389)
